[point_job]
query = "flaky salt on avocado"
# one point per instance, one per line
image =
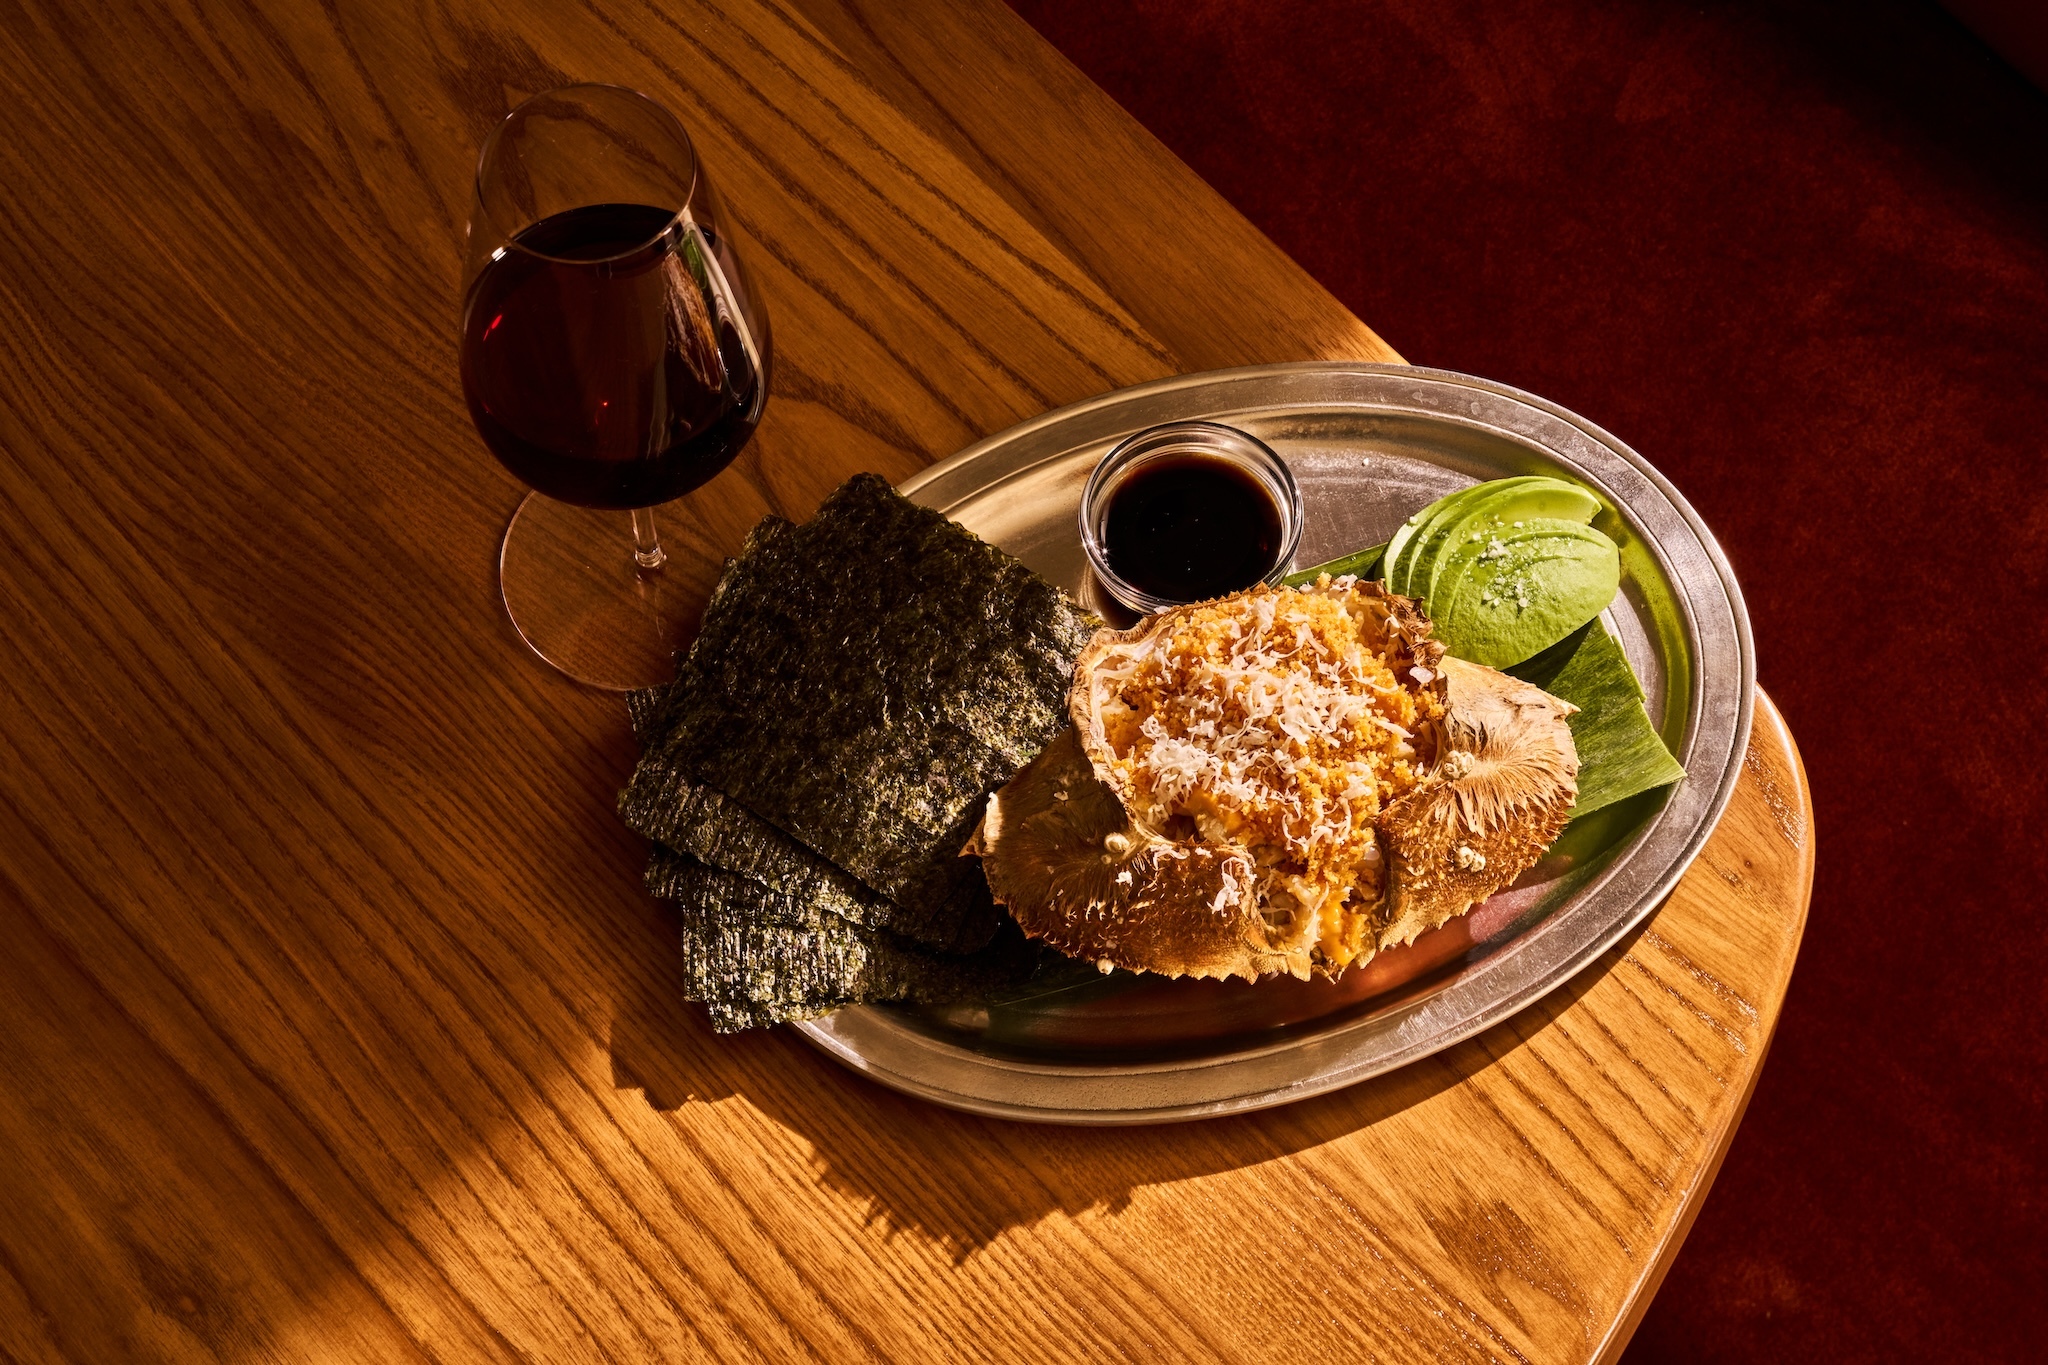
(1281, 780)
(1506, 568)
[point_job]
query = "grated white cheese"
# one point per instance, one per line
(1271, 725)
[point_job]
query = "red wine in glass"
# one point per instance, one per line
(600, 362)
(614, 357)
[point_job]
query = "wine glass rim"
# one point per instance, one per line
(511, 240)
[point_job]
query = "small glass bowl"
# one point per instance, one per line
(1212, 439)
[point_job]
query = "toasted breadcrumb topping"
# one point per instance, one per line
(1276, 721)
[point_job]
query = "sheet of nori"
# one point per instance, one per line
(756, 958)
(863, 682)
(693, 825)
(788, 869)
(643, 710)
(773, 930)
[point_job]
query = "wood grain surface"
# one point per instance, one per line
(337, 1026)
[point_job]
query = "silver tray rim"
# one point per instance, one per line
(878, 1043)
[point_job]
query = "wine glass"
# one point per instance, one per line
(614, 357)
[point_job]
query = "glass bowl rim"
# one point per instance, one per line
(1217, 439)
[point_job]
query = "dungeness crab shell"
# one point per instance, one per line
(1094, 864)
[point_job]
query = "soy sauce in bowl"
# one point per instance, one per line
(1189, 511)
(1189, 527)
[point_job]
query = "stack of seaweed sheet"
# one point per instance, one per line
(859, 685)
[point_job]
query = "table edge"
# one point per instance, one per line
(1640, 1295)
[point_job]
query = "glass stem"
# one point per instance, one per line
(647, 551)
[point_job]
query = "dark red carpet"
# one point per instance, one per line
(1797, 255)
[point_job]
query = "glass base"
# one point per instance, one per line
(581, 601)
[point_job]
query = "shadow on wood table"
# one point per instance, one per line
(960, 1181)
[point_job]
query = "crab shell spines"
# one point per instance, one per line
(1072, 849)
(1061, 853)
(1500, 792)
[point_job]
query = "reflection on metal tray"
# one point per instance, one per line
(1369, 444)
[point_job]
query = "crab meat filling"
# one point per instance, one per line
(1278, 723)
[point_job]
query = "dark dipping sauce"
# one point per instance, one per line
(1190, 527)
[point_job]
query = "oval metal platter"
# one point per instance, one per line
(1369, 445)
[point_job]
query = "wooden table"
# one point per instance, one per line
(337, 1025)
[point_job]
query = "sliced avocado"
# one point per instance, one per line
(1413, 567)
(1404, 535)
(1400, 558)
(1509, 502)
(1510, 597)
